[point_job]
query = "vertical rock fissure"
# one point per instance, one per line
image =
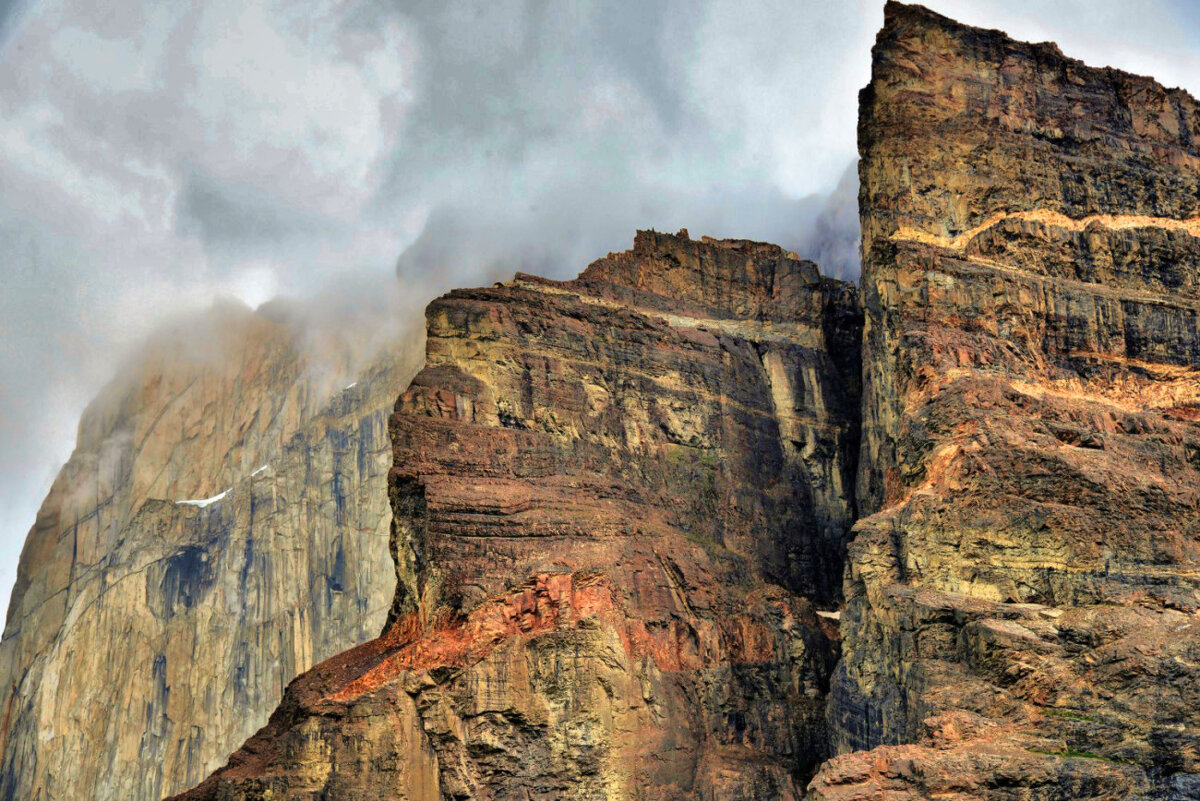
(407, 544)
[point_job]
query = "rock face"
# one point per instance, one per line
(624, 506)
(1021, 616)
(616, 501)
(220, 528)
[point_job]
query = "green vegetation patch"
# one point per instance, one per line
(1071, 753)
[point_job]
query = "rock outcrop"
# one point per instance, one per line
(617, 501)
(1022, 591)
(221, 526)
(628, 511)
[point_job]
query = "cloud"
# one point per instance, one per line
(831, 237)
(229, 214)
(155, 156)
(11, 12)
(542, 135)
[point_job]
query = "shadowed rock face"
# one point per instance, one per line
(1021, 615)
(147, 638)
(615, 499)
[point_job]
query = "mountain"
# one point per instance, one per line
(700, 523)
(617, 504)
(1022, 592)
(221, 526)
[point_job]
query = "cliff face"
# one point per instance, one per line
(219, 529)
(1022, 598)
(615, 500)
(624, 506)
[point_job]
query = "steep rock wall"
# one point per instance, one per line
(147, 638)
(614, 501)
(620, 501)
(1022, 600)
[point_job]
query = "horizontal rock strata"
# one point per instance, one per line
(616, 500)
(625, 509)
(1022, 598)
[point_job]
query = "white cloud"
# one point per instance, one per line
(261, 90)
(782, 83)
(132, 64)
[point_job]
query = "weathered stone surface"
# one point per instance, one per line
(620, 501)
(1022, 598)
(148, 638)
(613, 499)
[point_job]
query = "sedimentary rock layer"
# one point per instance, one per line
(616, 499)
(621, 505)
(1022, 597)
(221, 526)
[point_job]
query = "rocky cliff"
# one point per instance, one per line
(1021, 616)
(221, 526)
(617, 503)
(624, 508)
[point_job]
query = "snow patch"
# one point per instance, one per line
(204, 501)
(259, 470)
(349, 386)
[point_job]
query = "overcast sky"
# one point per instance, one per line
(156, 155)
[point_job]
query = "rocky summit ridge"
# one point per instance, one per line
(701, 523)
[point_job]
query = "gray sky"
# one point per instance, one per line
(156, 155)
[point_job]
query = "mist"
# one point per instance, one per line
(360, 158)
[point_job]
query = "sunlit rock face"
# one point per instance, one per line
(1021, 615)
(222, 526)
(616, 500)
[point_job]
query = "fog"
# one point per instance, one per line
(157, 156)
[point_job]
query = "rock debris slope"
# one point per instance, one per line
(1022, 599)
(148, 637)
(616, 501)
